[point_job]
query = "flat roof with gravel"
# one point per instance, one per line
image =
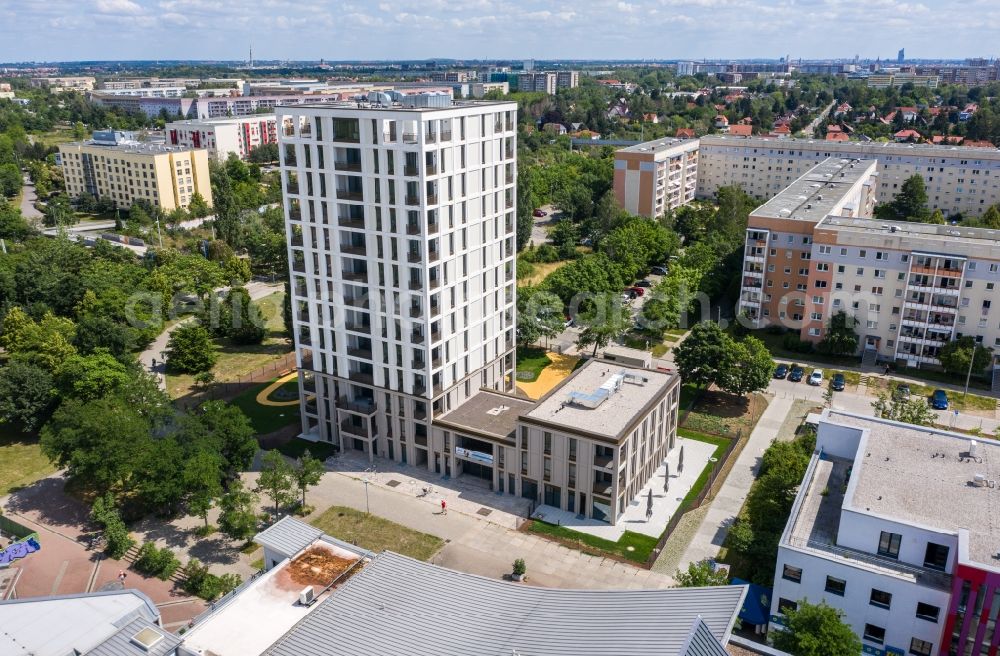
(601, 399)
(488, 413)
(925, 476)
(818, 192)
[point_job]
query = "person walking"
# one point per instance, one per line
(444, 507)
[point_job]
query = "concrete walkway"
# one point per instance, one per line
(726, 506)
(28, 199)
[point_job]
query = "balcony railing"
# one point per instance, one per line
(417, 337)
(346, 222)
(358, 327)
(354, 429)
(418, 364)
(412, 200)
(362, 353)
(434, 283)
(356, 301)
(434, 256)
(344, 194)
(922, 575)
(346, 165)
(411, 171)
(430, 137)
(602, 488)
(432, 199)
(431, 169)
(433, 227)
(435, 310)
(410, 137)
(413, 228)
(359, 406)
(416, 312)
(361, 377)
(355, 276)
(354, 249)
(445, 135)
(413, 256)
(416, 285)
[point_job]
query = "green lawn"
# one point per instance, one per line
(237, 360)
(266, 418)
(376, 534)
(718, 413)
(21, 460)
(530, 362)
(641, 545)
(295, 447)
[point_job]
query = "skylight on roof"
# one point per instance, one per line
(147, 638)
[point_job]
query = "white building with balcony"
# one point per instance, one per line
(401, 239)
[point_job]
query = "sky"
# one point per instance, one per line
(69, 30)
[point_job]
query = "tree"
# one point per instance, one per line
(238, 518)
(308, 471)
(10, 180)
(229, 431)
(13, 226)
(227, 211)
(47, 342)
(190, 349)
(699, 575)
(705, 355)
(956, 354)
(89, 377)
(910, 204)
(539, 313)
(816, 630)
(197, 207)
(908, 411)
(117, 540)
(751, 370)
(841, 338)
(276, 479)
(236, 317)
(27, 394)
(564, 235)
(603, 320)
(202, 473)
(58, 212)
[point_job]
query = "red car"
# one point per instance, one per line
(540, 212)
(638, 291)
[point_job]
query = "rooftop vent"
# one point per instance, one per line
(307, 595)
(147, 638)
(972, 448)
(979, 480)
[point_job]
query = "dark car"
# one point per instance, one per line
(902, 391)
(838, 383)
(643, 283)
(781, 371)
(939, 400)
(659, 270)
(540, 212)
(796, 374)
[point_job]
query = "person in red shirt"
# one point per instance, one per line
(444, 507)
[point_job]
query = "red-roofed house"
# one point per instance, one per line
(685, 133)
(842, 109)
(650, 118)
(833, 128)
(907, 135)
(909, 113)
(721, 122)
(978, 144)
(782, 130)
(837, 136)
(741, 130)
(949, 140)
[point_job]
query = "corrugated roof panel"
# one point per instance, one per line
(288, 536)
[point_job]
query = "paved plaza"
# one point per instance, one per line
(665, 501)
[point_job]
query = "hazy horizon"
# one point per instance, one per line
(90, 30)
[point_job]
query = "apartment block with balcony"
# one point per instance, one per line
(114, 165)
(655, 177)
(777, 263)
(224, 136)
(544, 82)
(965, 180)
(895, 525)
(401, 238)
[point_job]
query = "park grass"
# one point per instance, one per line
(21, 460)
(539, 271)
(237, 360)
(376, 534)
(530, 362)
(55, 136)
(266, 418)
(717, 413)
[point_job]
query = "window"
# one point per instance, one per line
(927, 612)
(785, 605)
(880, 598)
(920, 647)
(874, 634)
(936, 556)
(793, 574)
(888, 544)
(836, 586)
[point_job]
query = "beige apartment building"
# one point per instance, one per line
(958, 179)
(588, 447)
(814, 250)
(57, 84)
(654, 177)
(114, 165)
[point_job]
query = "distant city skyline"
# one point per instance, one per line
(73, 30)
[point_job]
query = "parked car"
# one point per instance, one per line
(626, 299)
(643, 283)
(781, 371)
(796, 373)
(939, 400)
(638, 291)
(816, 377)
(902, 391)
(540, 212)
(569, 322)
(838, 383)
(659, 271)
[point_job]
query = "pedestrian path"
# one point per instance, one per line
(726, 505)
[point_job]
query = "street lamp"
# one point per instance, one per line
(367, 507)
(968, 374)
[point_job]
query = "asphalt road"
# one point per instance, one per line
(28, 199)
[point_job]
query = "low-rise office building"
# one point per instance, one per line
(224, 136)
(114, 165)
(896, 526)
(587, 447)
(655, 177)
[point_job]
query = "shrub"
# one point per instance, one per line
(161, 563)
(117, 541)
(792, 342)
(519, 567)
(202, 583)
(546, 253)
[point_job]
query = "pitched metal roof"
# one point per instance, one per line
(121, 643)
(398, 605)
(288, 536)
(702, 642)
